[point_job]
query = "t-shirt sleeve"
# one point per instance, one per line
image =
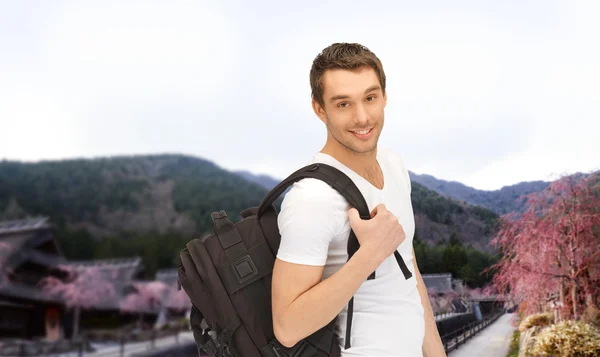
(308, 221)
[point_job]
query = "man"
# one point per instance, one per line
(312, 279)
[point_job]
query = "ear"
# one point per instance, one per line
(319, 110)
(385, 99)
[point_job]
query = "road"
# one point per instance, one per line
(493, 341)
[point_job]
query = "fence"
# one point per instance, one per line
(81, 345)
(442, 315)
(454, 339)
(451, 341)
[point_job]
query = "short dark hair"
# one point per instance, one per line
(348, 56)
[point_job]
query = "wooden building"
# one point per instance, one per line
(30, 252)
(27, 248)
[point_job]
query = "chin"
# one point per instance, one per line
(362, 148)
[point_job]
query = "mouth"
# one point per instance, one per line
(362, 134)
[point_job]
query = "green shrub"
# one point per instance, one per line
(514, 344)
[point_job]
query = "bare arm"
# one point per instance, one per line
(432, 343)
(302, 303)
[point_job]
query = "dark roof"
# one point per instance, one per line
(23, 225)
(14, 305)
(11, 244)
(441, 283)
(21, 242)
(26, 292)
(20, 246)
(20, 238)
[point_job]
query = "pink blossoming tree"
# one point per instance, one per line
(178, 300)
(147, 297)
(552, 250)
(81, 288)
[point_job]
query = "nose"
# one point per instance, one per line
(361, 115)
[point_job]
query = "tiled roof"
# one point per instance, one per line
(18, 246)
(22, 225)
(167, 276)
(127, 268)
(442, 283)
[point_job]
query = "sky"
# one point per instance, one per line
(487, 93)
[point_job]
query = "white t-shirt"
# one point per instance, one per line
(313, 222)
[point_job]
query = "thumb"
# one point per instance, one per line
(353, 216)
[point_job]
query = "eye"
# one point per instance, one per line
(371, 98)
(343, 105)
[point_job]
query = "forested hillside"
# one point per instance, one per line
(152, 205)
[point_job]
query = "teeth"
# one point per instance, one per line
(362, 132)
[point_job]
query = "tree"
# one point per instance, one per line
(552, 250)
(79, 287)
(453, 258)
(147, 297)
(455, 240)
(178, 300)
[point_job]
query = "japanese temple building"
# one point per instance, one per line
(28, 253)
(27, 249)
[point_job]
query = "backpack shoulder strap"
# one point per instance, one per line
(337, 180)
(329, 174)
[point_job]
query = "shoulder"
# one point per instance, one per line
(312, 215)
(312, 193)
(312, 200)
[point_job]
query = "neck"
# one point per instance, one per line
(364, 164)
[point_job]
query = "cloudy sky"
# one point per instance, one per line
(488, 93)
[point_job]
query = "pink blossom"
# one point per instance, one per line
(552, 249)
(148, 296)
(81, 287)
(178, 300)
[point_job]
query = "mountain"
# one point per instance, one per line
(265, 181)
(128, 194)
(500, 201)
(438, 218)
(166, 194)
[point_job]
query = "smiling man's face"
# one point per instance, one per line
(353, 109)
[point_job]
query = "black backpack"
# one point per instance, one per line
(227, 276)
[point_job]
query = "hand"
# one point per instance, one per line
(381, 235)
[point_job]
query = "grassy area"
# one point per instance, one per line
(514, 345)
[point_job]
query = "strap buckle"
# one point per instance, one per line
(314, 167)
(244, 269)
(218, 215)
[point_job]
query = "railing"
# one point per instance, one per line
(451, 341)
(81, 345)
(441, 315)
(454, 339)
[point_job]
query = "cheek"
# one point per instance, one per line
(376, 112)
(339, 121)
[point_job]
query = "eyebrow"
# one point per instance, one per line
(345, 96)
